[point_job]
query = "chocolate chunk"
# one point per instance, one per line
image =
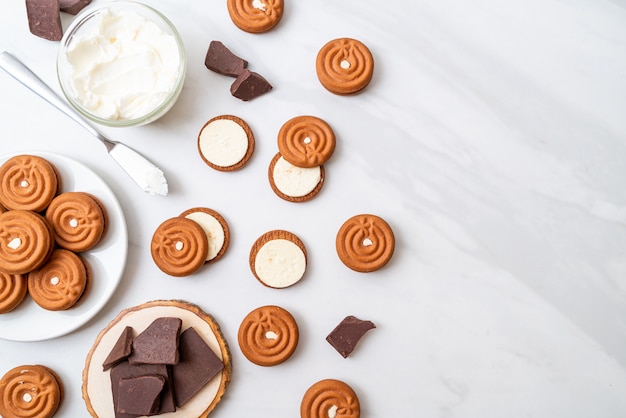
(222, 61)
(121, 350)
(347, 334)
(140, 395)
(157, 344)
(73, 6)
(44, 19)
(198, 364)
(249, 85)
(125, 370)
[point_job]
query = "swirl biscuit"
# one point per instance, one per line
(226, 143)
(365, 243)
(32, 391)
(268, 335)
(344, 66)
(59, 283)
(179, 246)
(28, 182)
(255, 16)
(78, 220)
(278, 259)
(26, 241)
(306, 141)
(13, 289)
(330, 398)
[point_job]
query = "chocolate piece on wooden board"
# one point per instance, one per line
(222, 61)
(197, 365)
(347, 334)
(125, 370)
(158, 343)
(249, 85)
(44, 19)
(140, 395)
(121, 350)
(73, 6)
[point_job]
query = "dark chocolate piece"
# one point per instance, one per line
(44, 19)
(73, 6)
(222, 61)
(121, 350)
(249, 85)
(157, 344)
(347, 334)
(197, 365)
(140, 395)
(125, 370)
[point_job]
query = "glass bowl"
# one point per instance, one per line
(121, 63)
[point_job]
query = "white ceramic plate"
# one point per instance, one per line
(29, 322)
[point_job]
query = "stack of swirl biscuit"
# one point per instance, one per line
(305, 143)
(42, 233)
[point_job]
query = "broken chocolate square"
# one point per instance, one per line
(121, 350)
(222, 61)
(347, 334)
(44, 19)
(140, 395)
(125, 370)
(197, 365)
(249, 85)
(157, 344)
(73, 6)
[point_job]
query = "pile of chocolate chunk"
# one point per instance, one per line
(160, 369)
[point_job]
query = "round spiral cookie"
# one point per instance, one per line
(344, 66)
(278, 259)
(13, 289)
(59, 283)
(226, 143)
(28, 182)
(365, 243)
(32, 391)
(255, 16)
(26, 241)
(268, 335)
(179, 246)
(328, 398)
(78, 219)
(306, 141)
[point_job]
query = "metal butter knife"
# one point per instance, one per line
(149, 177)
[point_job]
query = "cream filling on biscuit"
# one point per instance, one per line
(99, 383)
(295, 181)
(213, 230)
(280, 263)
(15, 243)
(223, 142)
(259, 4)
(332, 411)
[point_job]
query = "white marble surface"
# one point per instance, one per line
(493, 140)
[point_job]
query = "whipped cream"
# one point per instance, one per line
(123, 65)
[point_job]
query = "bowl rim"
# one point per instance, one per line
(88, 13)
